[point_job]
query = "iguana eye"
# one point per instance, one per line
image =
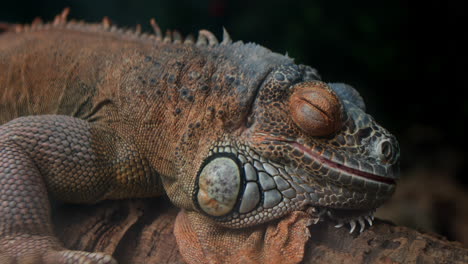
(315, 108)
(219, 183)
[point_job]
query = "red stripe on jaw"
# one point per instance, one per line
(343, 167)
(330, 163)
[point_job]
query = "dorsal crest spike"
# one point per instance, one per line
(168, 37)
(64, 14)
(106, 22)
(156, 29)
(226, 38)
(177, 37)
(189, 40)
(62, 17)
(138, 29)
(202, 40)
(37, 21)
(212, 40)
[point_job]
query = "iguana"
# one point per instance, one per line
(234, 134)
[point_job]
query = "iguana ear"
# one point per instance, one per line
(347, 92)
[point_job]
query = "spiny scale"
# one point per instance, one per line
(156, 29)
(62, 18)
(106, 22)
(168, 37)
(226, 38)
(177, 37)
(202, 40)
(212, 40)
(138, 29)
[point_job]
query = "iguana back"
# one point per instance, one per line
(50, 72)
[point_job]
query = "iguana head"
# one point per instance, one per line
(304, 143)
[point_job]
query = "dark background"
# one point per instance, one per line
(401, 56)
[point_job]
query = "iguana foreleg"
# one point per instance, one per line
(57, 156)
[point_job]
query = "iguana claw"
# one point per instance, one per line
(353, 222)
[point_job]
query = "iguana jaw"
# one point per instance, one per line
(386, 175)
(307, 185)
(354, 172)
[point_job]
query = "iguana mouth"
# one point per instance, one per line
(341, 167)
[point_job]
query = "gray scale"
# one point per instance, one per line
(276, 165)
(379, 170)
(250, 198)
(289, 170)
(297, 179)
(281, 183)
(270, 169)
(242, 158)
(313, 197)
(258, 165)
(366, 167)
(334, 175)
(285, 175)
(250, 172)
(289, 193)
(300, 197)
(266, 181)
(308, 188)
(271, 198)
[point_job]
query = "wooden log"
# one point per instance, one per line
(141, 231)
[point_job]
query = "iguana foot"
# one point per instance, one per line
(343, 217)
(32, 169)
(33, 249)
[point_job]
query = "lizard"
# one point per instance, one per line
(234, 134)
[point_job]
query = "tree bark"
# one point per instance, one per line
(141, 231)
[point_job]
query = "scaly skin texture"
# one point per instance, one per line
(233, 133)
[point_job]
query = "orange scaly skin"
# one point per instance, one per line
(89, 112)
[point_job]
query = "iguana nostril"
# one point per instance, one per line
(315, 108)
(386, 151)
